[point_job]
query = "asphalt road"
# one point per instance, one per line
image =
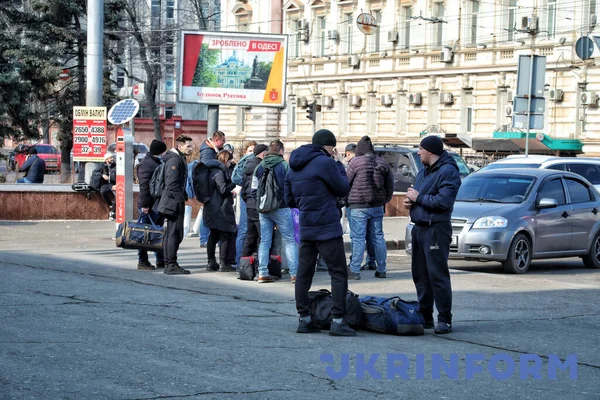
(78, 321)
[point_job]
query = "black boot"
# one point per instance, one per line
(226, 267)
(145, 265)
(212, 266)
(175, 269)
(160, 264)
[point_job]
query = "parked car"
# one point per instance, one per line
(140, 148)
(48, 153)
(516, 215)
(405, 164)
(587, 167)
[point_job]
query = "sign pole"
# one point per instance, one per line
(124, 190)
(529, 104)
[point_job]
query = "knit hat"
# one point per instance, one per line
(108, 155)
(259, 148)
(433, 144)
(364, 146)
(324, 137)
(157, 147)
(350, 147)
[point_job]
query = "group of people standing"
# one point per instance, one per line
(320, 186)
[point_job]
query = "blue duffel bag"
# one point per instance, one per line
(394, 315)
(140, 236)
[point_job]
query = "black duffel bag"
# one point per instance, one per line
(321, 304)
(140, 236)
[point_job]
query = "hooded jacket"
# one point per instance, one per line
(173, 198)
(249, 168)
(370, 179)
(437, 186)
(208, 151)
(279, 166)
(218, 212)
(313, 185)
(145, 170)
(35, 168)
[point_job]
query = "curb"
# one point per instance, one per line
(389, 244)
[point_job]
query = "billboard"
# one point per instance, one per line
(89, 133)
(240, 69)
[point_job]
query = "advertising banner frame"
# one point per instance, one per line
(245, 57)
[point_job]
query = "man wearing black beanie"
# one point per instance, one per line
(430, 204)
(314, 182)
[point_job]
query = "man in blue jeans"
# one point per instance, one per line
(237, 177)
(371, 187)
(274, 163)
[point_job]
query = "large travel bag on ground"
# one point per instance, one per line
(394, 315)
(247, 268)
(140, 236)
(321, 304)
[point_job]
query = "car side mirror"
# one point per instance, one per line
(405, 170)
(547, 203)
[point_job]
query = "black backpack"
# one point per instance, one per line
(321, 304)
(268, 197)
(202, 183)
(96, 179)
(157, 182)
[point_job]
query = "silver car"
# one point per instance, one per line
(516, 215)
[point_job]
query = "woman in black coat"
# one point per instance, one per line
(218, 214)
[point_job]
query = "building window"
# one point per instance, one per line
(169, 46)
(241, 125)
(169, 111)
(512, 20)
(406, 17)
(470, 119)
(472, 22)
(170, 9)
(120, 78)
(348, 33)
(551, 18)
(292, 118)
(293, 39)
(321, 33)
(590, 9)
(438, 29)
(155, 13)
(375, 39)
(243, 18)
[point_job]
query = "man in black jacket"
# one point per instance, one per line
(253, 227)
(109, 180)
(172, 202)
(145, 201)
(371, 187)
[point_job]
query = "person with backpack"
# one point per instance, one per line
(108, 173)
(371, 188)
(237, 177)
(208, 151)
(172, 201)
(146, 203)
(267, 190)
(314, 183)
(219, 215)
(34, 168)
(253, 220)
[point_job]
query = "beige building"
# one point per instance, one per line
(446, 67)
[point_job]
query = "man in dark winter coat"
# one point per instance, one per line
(371, 187)
(431, 203)
(280, 217)
(210, 147)
(219, 215)
(34, 167)
(314, 183)
(253, 230)
(172, 202)
(145, 201)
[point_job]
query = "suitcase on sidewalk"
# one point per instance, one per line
(140, 236)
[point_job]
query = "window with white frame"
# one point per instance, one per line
(511, 21)
(406, 17)
(589, 10)
(120, 77)
(155, 13)
(243, 18)
(375, 39)
(472, 21)
(347, 40)
(551, 18)
(469, 119)
(292, 118)
(170, 9)
(321, 36)
(169, 111)
(439, 10)
(294, 41)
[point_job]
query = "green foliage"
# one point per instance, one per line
(264, 70)
(205, 75)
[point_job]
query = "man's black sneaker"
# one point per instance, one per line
(145, 265)
(160, 264)
(442, 328)
(341, 329)
(175, 270)
(212, 266)
(380, 274)
(308, 327)
(353, 276)
(226, 268)
(369, 267)
(428, 325)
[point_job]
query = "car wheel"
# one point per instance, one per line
(592, 259)
(519, 255)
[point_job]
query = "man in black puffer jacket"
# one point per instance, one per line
(145, 201)
(371, 187)
(253, 231)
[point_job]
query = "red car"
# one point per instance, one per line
(46, 152)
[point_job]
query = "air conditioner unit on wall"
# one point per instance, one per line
(355, 101)
(327, 101)
(387, 100)
(333, 35)
(392, 36)
(556, 95)
(529, 23)
(302, 102)
(589, 99)
(353, 61)
(508, 110)
(414, 98)
(446, 56)
(446, 98)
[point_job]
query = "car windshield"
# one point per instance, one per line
(495, 189)
(46, 150)
(506, 165)
(463, 169)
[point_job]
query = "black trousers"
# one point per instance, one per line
(226, 242)
(430, 251)
(108, 195)
(173, 235)
(252, 233)
(332, 252)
